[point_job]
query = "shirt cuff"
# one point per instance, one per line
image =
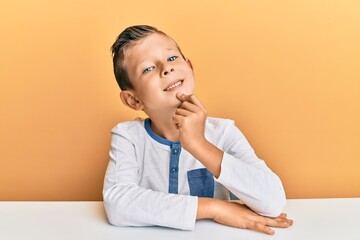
(190, 213)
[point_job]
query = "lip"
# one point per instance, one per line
(173, 82)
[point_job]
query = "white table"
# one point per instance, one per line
(314, 219)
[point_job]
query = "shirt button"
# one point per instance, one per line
(173, 170)
(175, 151)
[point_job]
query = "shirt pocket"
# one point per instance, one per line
(201, 183)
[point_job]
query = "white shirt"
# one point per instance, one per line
(153, 181)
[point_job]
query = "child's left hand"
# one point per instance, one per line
(190, 119)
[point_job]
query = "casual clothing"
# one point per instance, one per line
(153, 181)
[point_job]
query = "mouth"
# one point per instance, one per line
(174, 85)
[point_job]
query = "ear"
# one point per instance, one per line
(189, 63)
(129, 99)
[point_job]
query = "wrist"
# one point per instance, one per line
(207, 208)
(197, 146)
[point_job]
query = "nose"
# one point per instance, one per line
(167, 69)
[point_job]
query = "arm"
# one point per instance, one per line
(190, 119)
(128, 204)
(238, 168)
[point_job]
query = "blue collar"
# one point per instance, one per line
(157, 137)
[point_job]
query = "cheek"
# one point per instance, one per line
(149, 90)
(189, 72)
(189, 87)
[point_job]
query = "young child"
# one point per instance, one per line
(179, 165)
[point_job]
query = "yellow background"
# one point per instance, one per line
(288, 73)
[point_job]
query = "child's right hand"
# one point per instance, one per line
(240, 216)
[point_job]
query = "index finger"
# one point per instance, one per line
(190, 98)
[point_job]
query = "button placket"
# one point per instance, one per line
(173, 168)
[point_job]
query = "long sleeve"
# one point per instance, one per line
(248, 177)
(128, 204)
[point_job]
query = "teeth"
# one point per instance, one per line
(174, 85)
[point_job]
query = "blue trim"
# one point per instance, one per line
(155, 136)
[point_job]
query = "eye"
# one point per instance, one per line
(148, 69)
(170, 59)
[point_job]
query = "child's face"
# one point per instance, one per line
(158, 71)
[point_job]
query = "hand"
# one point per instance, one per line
(190, 120)
(240, 216)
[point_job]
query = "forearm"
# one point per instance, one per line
(209, 155)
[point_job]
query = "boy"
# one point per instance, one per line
(179, 165)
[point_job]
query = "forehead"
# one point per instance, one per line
(147, 47)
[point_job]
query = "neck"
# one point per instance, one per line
(163, 125)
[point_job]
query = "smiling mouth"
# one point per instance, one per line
(174, 85)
